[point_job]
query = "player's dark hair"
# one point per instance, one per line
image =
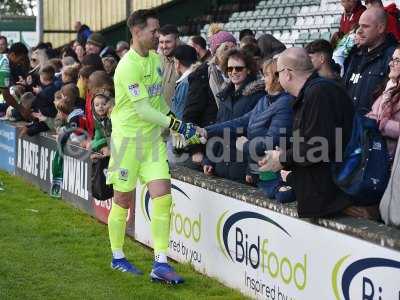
(140, 17)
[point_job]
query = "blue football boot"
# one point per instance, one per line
(124, 265)
(163, 272)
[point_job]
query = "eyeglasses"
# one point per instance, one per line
(279, 71)
(395, 61)
(236, 68)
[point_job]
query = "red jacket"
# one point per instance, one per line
(393, 25)
(349, 20)
(89, 121)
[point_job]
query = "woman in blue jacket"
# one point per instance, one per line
(238, 98)
(267, 126)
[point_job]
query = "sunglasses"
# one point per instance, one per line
(236, 68)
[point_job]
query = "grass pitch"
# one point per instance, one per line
(51, 250)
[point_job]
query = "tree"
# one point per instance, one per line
(17, 7)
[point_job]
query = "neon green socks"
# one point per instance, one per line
(160, 220)
(116, 229)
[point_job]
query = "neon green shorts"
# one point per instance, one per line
(128, 162)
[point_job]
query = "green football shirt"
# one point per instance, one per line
(137, 78)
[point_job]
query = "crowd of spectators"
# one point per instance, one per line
(254, 95)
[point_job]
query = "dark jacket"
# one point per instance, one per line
(234, 104)
(320, 108)
(206, 57)
(16, 71)
(271, 119)
(200, 108)
(83, 34)
(366, 71)
(44, 101)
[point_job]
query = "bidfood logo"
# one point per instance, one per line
(256, 251)
(181, 224)
(372, 278)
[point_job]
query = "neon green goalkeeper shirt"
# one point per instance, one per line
(137, 78)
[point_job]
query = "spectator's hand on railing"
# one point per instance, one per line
(367, 212)
(96, 156)
(105, 151)
(249, 179)
(284, 175)
(197, 158)
(85, 144)
(240, 141)
(208, 170)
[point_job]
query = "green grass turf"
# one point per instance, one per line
(51, 250)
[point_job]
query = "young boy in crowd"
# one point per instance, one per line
(69, 116)
(43, 107)
(57, 65)
(69, 74)
(83, 80)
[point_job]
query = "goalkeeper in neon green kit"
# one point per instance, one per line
(137, 148)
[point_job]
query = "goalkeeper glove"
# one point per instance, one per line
(188, 130)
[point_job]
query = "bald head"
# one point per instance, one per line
(296, 59)
(294, 67)
(376, 15)
(373, 3)
(372, 30)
